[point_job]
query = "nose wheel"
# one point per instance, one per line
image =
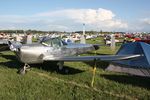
(23, 70)
(60, 65)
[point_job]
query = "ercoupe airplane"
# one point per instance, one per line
(54, 49)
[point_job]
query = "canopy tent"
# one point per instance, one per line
(137, 66)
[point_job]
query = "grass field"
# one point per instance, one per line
(45, 82)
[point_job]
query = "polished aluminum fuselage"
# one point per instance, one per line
(34, 53)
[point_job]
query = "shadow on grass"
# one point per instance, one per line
(9, 57)
(52, 67)
(132, 80)
(4, 47)
(47, 66)
(12, 63)
(99, 64)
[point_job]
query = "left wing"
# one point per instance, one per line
(91, 58)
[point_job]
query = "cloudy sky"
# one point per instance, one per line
(69, 15)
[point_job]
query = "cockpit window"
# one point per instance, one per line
(53, 42)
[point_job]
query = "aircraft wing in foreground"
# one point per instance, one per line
(92, 58)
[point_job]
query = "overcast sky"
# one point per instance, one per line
(69, 15)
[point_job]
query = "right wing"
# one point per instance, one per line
(91, 58)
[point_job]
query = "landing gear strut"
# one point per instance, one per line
(24, 69)
(60, 65)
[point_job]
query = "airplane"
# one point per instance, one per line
(4, 45)
(48, 49)
(54, 49)
(4, 42)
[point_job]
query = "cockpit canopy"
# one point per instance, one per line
(53, 42)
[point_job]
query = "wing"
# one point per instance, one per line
(91, 58)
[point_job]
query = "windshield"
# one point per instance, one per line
(54, 42)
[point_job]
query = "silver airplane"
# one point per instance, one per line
(54, 49)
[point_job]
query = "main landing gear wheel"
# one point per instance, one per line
(23, 70)
(61, 68)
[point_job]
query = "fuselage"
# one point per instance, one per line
(34, 53)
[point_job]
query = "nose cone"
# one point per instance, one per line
(22, 53)
(25, 51)
(30, 54)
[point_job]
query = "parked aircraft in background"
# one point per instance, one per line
(4, 45)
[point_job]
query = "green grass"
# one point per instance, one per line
(45, 82)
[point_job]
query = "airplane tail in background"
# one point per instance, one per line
(139, 66)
